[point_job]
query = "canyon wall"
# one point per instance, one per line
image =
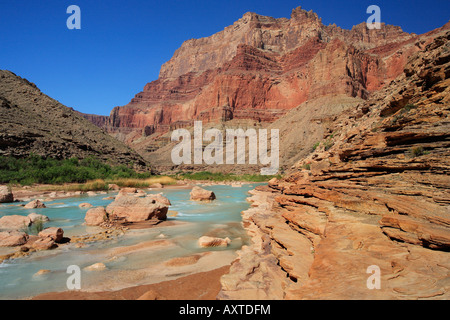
(259, 68)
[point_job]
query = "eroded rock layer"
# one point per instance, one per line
(374, 195)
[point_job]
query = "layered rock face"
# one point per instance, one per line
(261, 67)
(374, 195)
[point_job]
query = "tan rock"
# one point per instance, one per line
(96, 267)
(36, 217)
(56, 234)
(183, 261)
(35, 204)
(85, 205)
(12, 238)
(96, 216)
(135, 209)
(200, 194)
(6, 195)
(160, 198)
(151, 295)
(113, 186)
(127, 190)
(14, 222)
(46, 243)
(42, 272)
(206, 241)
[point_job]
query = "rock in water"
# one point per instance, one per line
(85, 205)
(35, 204)
(200, 194)
(135, 209)
(96, 216)
(14, 222)
(6, 195)
(206, 242)
(160, 198)
(56, 234)
(36, 217)
(96, 267)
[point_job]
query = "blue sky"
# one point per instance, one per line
(122, 44)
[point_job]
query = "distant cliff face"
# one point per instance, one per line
(99, 121)
(261, 67)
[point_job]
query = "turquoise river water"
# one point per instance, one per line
(221, 217)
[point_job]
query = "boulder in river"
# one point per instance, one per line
(206, 242)
(135, 209)
(14, 222)
(35, 204)
(96, 216)
(200, 194)
(36, 217)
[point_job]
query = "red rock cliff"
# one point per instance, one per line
(261, 67)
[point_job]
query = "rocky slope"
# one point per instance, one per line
(32, 122)
(376, 192)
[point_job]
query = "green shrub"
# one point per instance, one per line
(37, 226)
(307, 166)
(315, 146)
(328, 144)
(409, 107)
(417, 151)
(35, 169)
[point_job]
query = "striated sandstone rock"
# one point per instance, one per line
(375, 193)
